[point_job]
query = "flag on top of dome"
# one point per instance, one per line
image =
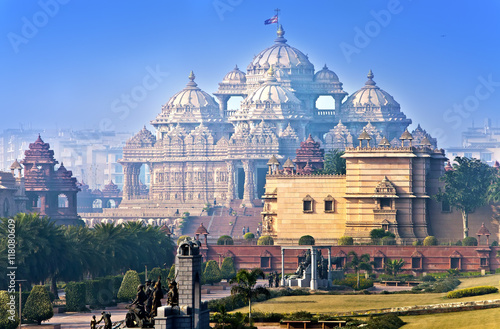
(271, 20)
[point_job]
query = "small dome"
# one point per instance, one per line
(201, 230)
(16, 165)
(326, 76)
(189, 105)
(235, 76)
(272, 91)
(371, 96)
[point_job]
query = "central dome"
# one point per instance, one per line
(281, 55)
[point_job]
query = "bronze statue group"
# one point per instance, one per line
(145, 306)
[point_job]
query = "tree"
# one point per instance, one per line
(306, 240)
(212, 274)
(466, 187)
(171, 272)
(246, 281)
(333, 163)
(359, 263)
(128, 289)
(393, 267)
(265, 240)
(38, 307)
(227, 269)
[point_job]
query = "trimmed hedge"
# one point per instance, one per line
(224, 240)
(265, 240)
(227, 269)
(249, 236)
(212, 273)
(474, 291)
(306, 240)
(469, 241)
(38, 307)
(352, 282)
(75, 296)
(346, 241)
(7, 311)
(430, 241)
(128, 288)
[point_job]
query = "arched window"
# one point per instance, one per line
(97, 204)
(62, 201)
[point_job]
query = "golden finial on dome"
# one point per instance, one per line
(270, 72)
(191, 76)
(281, 31)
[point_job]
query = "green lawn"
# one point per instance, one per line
(480, 319)
(347, 303)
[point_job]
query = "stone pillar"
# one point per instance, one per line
(314, 269)
(282, 267)
(223, 104)
(127, 188)
(230, 181)
(248, 194)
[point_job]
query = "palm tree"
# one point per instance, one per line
(358, 263)
(246, 286)
(393, 267)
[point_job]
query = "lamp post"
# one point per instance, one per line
(20, 301)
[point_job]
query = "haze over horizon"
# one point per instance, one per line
(71, 64)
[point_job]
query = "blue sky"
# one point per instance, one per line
(69, 63)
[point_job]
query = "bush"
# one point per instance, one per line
(386, 321)
(494, 243)
(445, 285)
(352, 282)
(182, 237)
(388, 241)
(429, 278)
(306, 240)
(417, 243)
(249, 236)
(227, 269)
(430, 241)
(224, 240)
(299, 316)
(458, 243)
(265, 240)
(469, 241)
(6, 312)
(128, 289)
(346, 241)
(38, 307)
(474, 291)
(212, 272)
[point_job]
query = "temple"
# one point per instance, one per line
(203, 151)
(50, 192)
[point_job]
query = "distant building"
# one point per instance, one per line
(91, 155)
(385, 187)
(50, 192)
(481, 143)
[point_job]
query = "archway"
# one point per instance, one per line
(62, 201)
(325, 102)
(97, 204)
(111, 203)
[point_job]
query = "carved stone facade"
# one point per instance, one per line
(204, 151)
(50, 192)
(384, 187)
